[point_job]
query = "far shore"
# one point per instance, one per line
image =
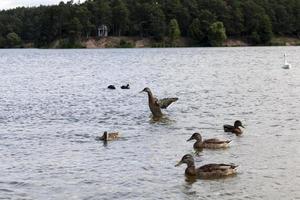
(138, 42)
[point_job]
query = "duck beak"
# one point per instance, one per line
(141, 91)
(191, 138)
(178, 164)
(242, 126)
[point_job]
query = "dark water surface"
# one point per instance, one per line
(54, 103)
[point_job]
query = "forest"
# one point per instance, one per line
(207, 22)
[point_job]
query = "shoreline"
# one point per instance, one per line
(138, 42)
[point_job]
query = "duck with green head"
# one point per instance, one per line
(235, 128)
(206, 171)
(156, 105)
(213, 143)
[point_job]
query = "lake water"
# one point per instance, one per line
(54, 103)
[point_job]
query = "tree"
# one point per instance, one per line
(13, 39)
(75, 28)
(255, 20)
(171, 9)
(234, 23)
(200, 26)
(195, 30)
(151, 20)
(174, 31)
(217, 34)
(2, 42)
(265, 30)
(282, 23)
(120, 15)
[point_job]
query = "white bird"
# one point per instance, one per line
(286, 64)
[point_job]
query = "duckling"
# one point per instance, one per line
(112, 87)
(108, 136)
(235, 128)
(206, 171)
(156, 105)
(125, 87)
(209, 143)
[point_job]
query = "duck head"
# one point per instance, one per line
(187, 159)
(195, 136)
(238, 124)
(105, 136)
(146, 90)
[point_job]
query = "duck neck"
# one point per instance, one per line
(191, 169)
(285, 59)
(237, 126)
(105, 136)
(190, 164)
(150, 97)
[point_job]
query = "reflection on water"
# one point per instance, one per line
(54, 103)
(164, 120)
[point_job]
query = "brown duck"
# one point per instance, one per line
(213, 143)
(156, 105)
(206, 171)
(235, 128)
(108, 136)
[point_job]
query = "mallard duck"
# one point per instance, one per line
(108, 136)
(235, 128)
(156, 105)
(125, 87)
(112, 87)
(213, 143)
(206, 171)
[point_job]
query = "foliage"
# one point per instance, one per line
(195, 30)
(217, 34)
(255, 20)
(174, 31)
(125, 44)
(13, 40)
(2, 42)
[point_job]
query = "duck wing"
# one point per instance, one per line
(164, 103)
(216, 141)
(214, 167)
(156, 102)
(228, 128)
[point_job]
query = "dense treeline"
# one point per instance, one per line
(208, 22)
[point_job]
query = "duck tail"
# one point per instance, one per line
(234, 166)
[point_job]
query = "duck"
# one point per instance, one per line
(286, 64)
(112, 87)
(206, 171)
(156, 105)
(125, 87)
(108, 136)
(235, 128)
(213, 143)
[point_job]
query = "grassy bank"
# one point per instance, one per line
(285, 41)
(137, 42)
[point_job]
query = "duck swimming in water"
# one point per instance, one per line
(156, 105)
(235, 128)
(108, 136)
(206, 171)
(125, 87)
(112, 87)
(213, 143)
(286, 64)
